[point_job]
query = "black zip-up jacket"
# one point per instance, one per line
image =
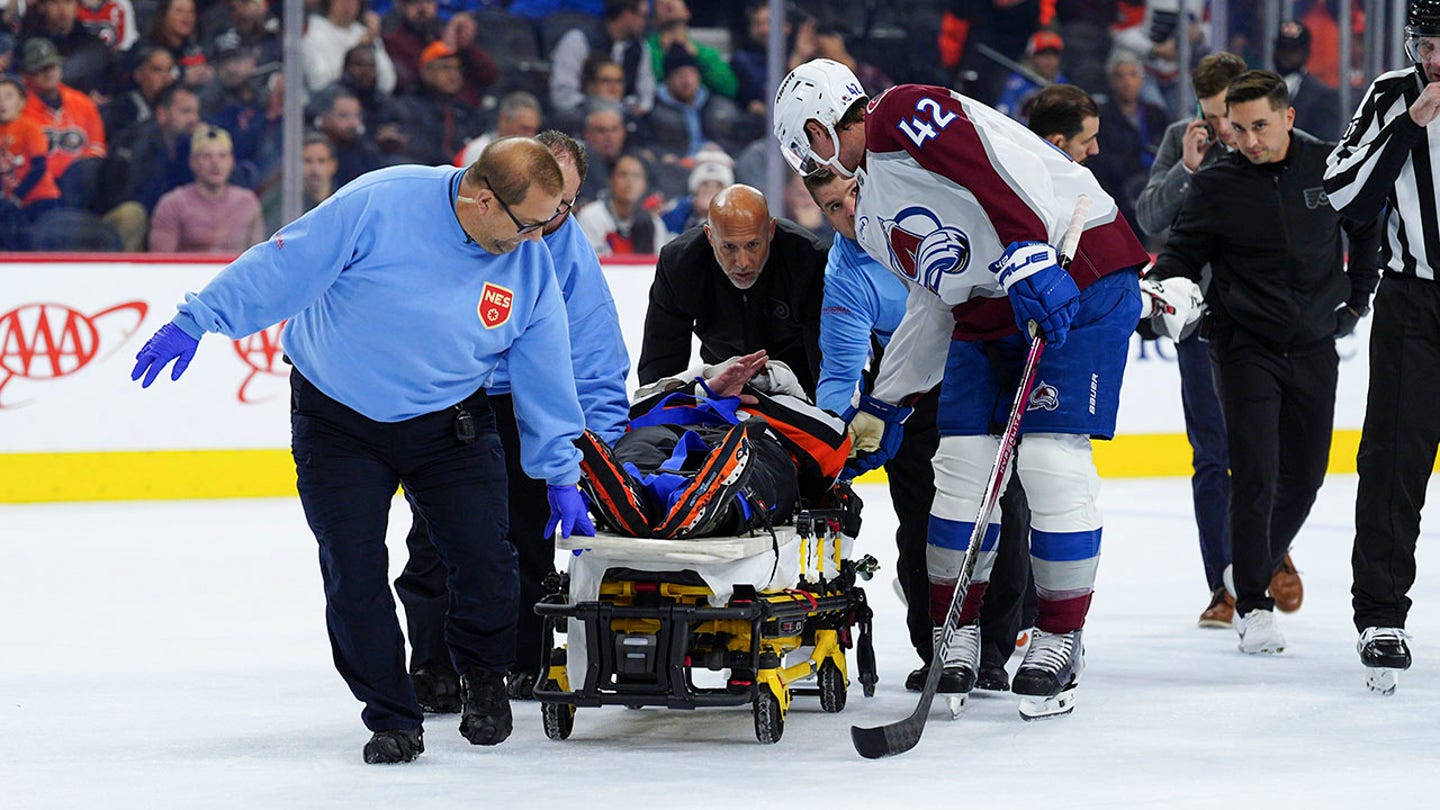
(780, 313)
(1274, 245)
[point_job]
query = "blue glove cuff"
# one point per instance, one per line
(885, 410)
(188, 325)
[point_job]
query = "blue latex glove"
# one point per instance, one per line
(1039, 289)
(169, 342)
(567, 512)
(876, 430)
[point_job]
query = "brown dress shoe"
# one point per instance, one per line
(1221, 612)
(1285, 587)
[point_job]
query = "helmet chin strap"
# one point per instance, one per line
(834, 164)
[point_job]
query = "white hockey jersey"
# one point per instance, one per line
(947, 184)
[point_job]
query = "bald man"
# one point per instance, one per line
(742, 282)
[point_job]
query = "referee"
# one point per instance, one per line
(1387, 163)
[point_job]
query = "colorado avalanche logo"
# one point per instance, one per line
(922, 249)
(1043, 397)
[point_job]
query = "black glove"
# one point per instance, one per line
(1345, 320)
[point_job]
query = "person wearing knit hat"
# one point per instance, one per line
(686, 114)
(706, 180)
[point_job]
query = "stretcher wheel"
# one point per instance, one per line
(832, 687)
(559, 717)
(769, 717)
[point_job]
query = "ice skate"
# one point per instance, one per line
(1259, 633)
(1385, 654)
(962, 660)
(1047, 678)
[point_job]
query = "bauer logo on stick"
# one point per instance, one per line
(495, 305)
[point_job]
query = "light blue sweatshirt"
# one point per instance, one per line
(597, 348)
(384, 291)
(861, 296)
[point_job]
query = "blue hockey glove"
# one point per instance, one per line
(876, 429)
(567, 512)
(169, 342)
(1039, 289)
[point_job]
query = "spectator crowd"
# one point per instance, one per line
(117, 114)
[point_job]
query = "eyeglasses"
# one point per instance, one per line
(520, 227)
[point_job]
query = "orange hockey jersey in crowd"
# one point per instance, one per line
(74, 131)
(21, 142)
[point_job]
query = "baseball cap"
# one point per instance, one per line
(710, 171)
(37, 54)
(226, 45)
(1042, 41)
(209, 133)
(435, 50)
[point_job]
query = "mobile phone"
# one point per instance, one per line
(1200, 114)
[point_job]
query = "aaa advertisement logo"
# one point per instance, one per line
(46, 341)
(262, 353)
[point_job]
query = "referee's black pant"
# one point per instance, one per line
(1279, 413)
(421, 586)
(348, 468)
(1397, 448)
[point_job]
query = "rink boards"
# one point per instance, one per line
(74, 427)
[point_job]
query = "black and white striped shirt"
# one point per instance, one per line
(1387, 162)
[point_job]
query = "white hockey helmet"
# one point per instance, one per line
(820, 90)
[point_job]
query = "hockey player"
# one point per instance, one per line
(1386, 163)
(865, 302)
(965, 205)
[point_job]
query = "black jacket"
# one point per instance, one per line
(780, 313)
(1274, 245)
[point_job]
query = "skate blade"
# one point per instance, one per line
(956, 703)
(1044, 708)
(1382, 681)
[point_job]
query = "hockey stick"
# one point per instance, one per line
(902, 735)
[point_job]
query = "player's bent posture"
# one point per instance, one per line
(965, 205)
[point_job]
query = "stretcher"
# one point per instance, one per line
(772, 610)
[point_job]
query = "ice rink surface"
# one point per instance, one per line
(174, 655)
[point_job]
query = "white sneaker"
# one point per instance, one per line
(1259, 633)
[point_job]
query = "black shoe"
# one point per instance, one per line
(485, 717)
(615, 494)
(437, 689)
(522, 685)
(992, 678)
(393, 746)
(953, 680)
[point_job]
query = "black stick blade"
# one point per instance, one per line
(887, 740)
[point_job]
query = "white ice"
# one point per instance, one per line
(174, 654)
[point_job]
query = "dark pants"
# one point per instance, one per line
(348, 468)
(1397, 448)
(912, 489)
(421, 585)
(1279, 412)
(1210, 455)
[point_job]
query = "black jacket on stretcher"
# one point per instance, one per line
(1274, 243)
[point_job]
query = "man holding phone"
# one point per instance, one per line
(1187, 147)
